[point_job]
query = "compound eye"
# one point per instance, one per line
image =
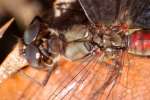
(32, 55)
(32, 31)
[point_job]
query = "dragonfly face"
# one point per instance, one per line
(42, 45)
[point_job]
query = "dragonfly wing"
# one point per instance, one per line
(133, 12)
(141, 16)
(100, 10)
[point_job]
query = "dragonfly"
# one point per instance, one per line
(93, 45)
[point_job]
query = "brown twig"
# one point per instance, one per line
(13, 62)
(5, 27)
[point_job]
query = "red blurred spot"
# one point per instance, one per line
(140, 41)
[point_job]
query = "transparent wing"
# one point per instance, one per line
(141, 13)
(100, 10)
(134, 12)
(97, 81)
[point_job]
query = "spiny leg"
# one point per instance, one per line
(49, 72)
(44, 82)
